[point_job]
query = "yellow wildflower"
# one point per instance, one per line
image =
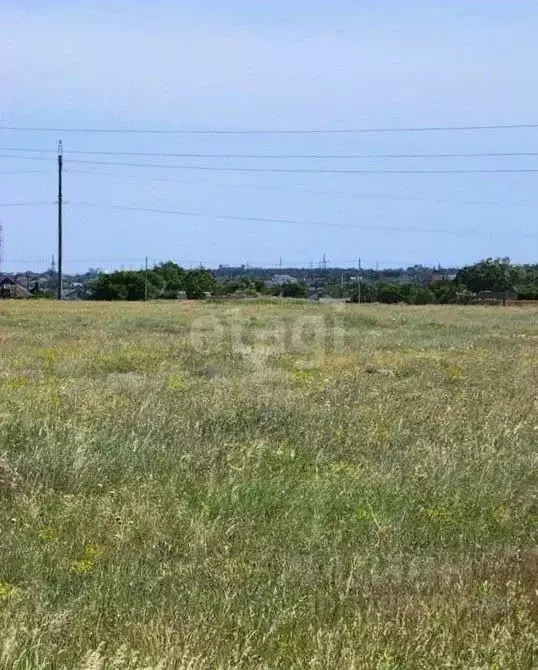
(9, 591)
(49, 534)
(83, 566)
(93, 552)
(175, 382)
(87, 563)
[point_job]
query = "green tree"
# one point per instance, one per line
(420, 295)
(411, 293)
(489, 275)
(259, 286)
(445, 292)
(172, 274)
(127, 285)
(390, 293)
(239, 284)
(527, 282)
(368, 292)
(296, 290)
(198, 282)
(123, 285)
(164, 280)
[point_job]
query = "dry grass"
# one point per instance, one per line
(362, 496)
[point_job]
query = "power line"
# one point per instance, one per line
(292, 189)
(37, 259)
(166, 154)
(23, 171)
(255, 219)
(272, 131)
(298, 190)
(307, 170)
(25, 204)
(22, 158)
(290, 170)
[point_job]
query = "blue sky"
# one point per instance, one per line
(273, 65)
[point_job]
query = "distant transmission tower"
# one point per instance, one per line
(52, 273)
(1, 248)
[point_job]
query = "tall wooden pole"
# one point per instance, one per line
(60, 223)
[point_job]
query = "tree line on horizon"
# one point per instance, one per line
(168, 280)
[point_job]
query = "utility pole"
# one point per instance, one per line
(60, 223)
(146, 279)
(359, 283)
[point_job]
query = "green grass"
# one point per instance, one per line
(264, 501)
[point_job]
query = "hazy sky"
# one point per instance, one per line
(237, 65)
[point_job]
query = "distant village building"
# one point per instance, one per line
(439, 277)
(77, 293)
(9, 288)
(281, 280)
(496, 296)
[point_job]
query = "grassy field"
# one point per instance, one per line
(268, 485)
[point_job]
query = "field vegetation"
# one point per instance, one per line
(267, 485)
